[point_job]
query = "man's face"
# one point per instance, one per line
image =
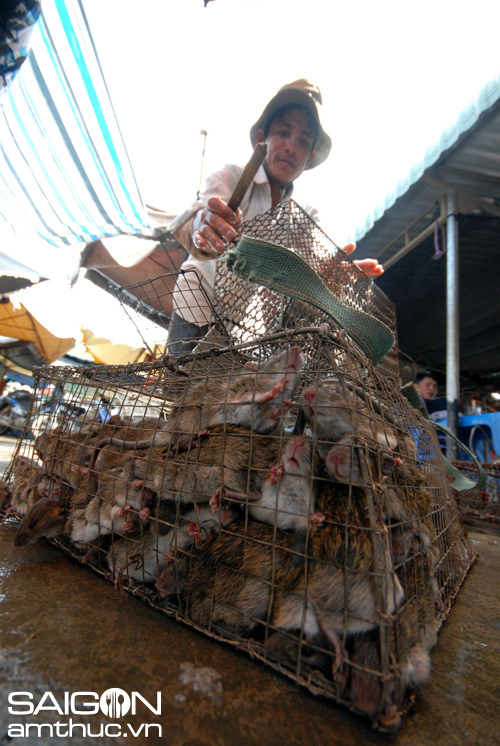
(427, 388)
(290, 143)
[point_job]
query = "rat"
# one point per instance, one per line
(5, 495)
(133, 430)
(332, 410)
(297, 652)
(414, 632)
(405, 496)
(62, 452)
(230, 583)
(47, 517)
(254, 399)
(142, 560)
(116, 506)
(288, 494)
(227, 460)
(338, 595)
(27, 489)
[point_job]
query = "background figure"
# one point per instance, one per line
(427, 387)
(296, 141)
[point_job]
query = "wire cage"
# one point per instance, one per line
(278, 494)
(241, 311)
(480, 507)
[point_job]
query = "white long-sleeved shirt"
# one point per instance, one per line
(189, 301)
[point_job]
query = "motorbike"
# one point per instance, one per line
(54, 411)
(14, 407)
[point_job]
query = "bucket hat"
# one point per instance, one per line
(299, 93)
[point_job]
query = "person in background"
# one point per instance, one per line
(104, 409)
(427, 387)
(296, 141)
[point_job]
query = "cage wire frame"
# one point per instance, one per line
(139, 513)
(480, 507)
(241, 311)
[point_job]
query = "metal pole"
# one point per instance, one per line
(452, 326)
(204, 133)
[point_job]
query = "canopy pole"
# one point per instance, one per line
(452, 326)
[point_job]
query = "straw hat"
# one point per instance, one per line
(298, 93)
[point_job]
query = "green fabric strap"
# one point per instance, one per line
(281, 269)
(460, 482)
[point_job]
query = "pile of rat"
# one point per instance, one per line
(278, 504)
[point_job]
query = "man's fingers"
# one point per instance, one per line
(349, 248)
(371, 267)
(221, 227)
(218, 206)
(203, 246)
(211, 238)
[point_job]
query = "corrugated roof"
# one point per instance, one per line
(478, 162)
(405, 234)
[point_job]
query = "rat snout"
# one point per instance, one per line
(295, 359)
(309, 395)
(297, 452)
(299, 443)
(147, 495)
(21, 540)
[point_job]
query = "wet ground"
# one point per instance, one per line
(65, 629)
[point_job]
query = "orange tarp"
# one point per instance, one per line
(17, 322)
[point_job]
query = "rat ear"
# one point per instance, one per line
(251, 365)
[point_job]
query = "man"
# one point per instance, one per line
(427, 387)
(296, 141)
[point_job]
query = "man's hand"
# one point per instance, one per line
(371, 267)
(218, 226)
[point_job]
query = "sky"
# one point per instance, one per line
(393, 76)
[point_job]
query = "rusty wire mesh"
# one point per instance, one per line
(279, 494)
(481, 507)
(241, 311)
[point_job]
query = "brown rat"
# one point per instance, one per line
(142, 560)
(116, 506)
(302, 655)
(132, 430)
(288, 494)
(5, 495)
(63, 452)
(28, 489)
(339, 595)
(230, 583)
(381, 695)
(227, 458)
(47, 517)
(254, 399)
(406, 498)
(332, 410)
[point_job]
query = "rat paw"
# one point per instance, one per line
(318, 518)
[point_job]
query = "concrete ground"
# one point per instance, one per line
(64, 629)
